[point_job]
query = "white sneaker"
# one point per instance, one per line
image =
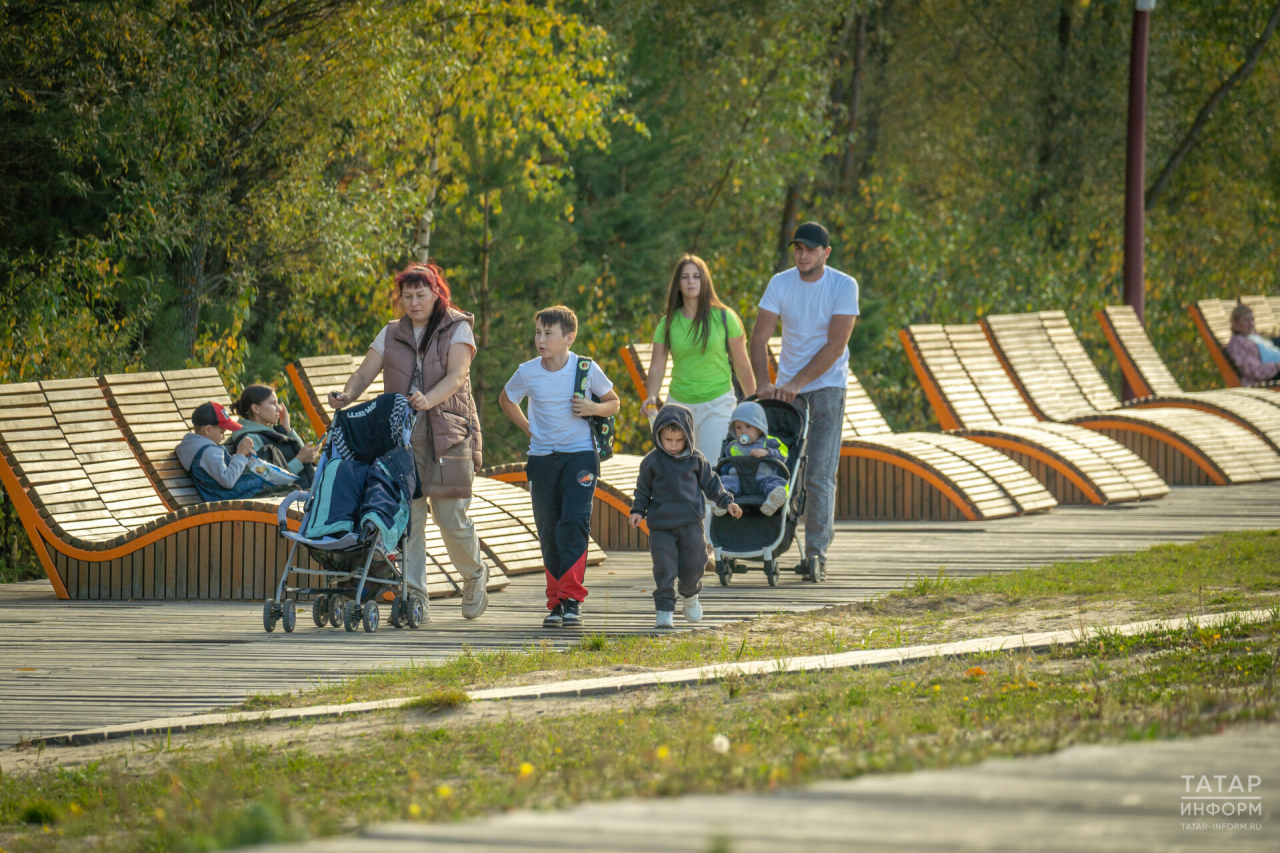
(692, 609)
(666, 619)
(776, 500)
(475, 598)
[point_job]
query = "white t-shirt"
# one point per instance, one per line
(806, 308)
(551, 419)
(461, 335)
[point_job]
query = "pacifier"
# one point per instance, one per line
(745, 438)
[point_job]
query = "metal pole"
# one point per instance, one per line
(1135, 171)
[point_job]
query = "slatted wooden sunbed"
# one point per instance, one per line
(1213, 320)
(153, 411)
(502, 512)
(910, 476)
(922, 475)
(99, 527)
(1054, 375)
(973, 397)
(1151, 380)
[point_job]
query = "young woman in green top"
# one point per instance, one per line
(706, 343)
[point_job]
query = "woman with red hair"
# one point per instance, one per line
(426, 356)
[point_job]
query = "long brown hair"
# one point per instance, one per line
(707, 300)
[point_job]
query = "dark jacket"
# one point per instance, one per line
(670, 488)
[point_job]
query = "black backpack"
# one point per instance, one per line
(602, 431)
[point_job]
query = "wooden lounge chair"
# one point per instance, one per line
(502, 513)
(153, 411)
(973, 397)
(1213, 320)
(1150, 379)
(1054, 375)
(922, 475)
(637, 357)
(98, 525)
(313, 378)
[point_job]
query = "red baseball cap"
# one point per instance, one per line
(213, 414)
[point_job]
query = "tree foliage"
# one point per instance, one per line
(187, 182)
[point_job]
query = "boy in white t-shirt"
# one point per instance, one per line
(817, 306)
(563, 464)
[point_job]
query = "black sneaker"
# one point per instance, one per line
(555, 618)
(572, 613)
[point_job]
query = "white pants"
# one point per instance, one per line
(710, 426)
(460, 539)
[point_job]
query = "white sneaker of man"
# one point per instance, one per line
(776, 500)
(665, 619)
(692, 609)
(475, 596)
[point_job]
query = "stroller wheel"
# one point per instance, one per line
(369, 616)
(320, 611)
(395, 620)
(335, 610)
(771, 572)
(269, 615)
(724, 572)
(290, 616)
(415, 612)
(350, 616)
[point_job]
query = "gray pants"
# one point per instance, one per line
(677, 552)
(461, 542)
(826, 423)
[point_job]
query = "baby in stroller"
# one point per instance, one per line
(749, 436)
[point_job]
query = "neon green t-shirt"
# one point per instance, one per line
(698, 376)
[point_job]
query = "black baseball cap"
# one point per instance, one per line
(213, 414)
(812, 235)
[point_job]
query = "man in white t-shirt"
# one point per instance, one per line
(817, 306)
(563, 465)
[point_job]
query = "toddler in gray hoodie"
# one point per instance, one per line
(669, 492)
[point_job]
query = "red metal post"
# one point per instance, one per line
(1135, 167)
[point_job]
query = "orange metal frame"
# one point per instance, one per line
(1225, 367)
(637, 374)
(941, 408)
(1137, 382)
(918, 470)
(1192, 453)
(313, 414)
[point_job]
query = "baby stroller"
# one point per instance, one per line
(763, 537)
(355, 522)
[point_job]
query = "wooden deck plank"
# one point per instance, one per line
(116, 661)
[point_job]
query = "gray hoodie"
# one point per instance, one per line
(669, 489)
(220, 463)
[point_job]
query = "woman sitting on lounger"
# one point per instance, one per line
(265, 421)
(1256, 358)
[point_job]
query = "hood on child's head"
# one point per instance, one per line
(751, 413)
(674, 413)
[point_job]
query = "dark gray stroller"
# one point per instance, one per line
(756, 536)
(355, 523)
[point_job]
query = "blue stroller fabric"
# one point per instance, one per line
(336, 498)
(388, 489)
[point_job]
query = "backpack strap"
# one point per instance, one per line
(582, 379)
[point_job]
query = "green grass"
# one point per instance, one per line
(1230, 571)
(773, 731)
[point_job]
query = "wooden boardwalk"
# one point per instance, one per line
(1084, 799)
(78, 664)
